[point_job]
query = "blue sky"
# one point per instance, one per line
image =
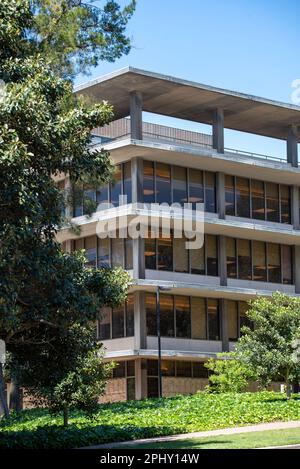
(250, 46)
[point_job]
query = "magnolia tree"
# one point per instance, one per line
(272, 348)
(44, 131)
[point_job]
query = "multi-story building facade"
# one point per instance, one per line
(251, 223)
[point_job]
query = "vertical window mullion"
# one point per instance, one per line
(235, 198)
(250, 195)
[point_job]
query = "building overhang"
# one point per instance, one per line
(152, 354)
(192, 101)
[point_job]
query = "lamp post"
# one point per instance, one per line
(158, 290)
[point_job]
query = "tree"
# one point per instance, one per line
(228, 374)
(45, 130)
(67, 372)
(270, 349)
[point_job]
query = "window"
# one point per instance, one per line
(102, 195)
(118, 322)
(127, 182)
(272, 198)
(150, 253)
(210, 192)
(242, 197)
(129, 310)
(211, 255)
(103, 252)
(164, 253)
(117, 251)
(196, 194)
(230, 195)
(198, 318)
(285, 204)
(163, 183)
(120, 370)
(274, 270)
(167, 328)
(179, 184)
(181, 255)
(104, 325)
(231, 258)
(116, 186)
(128, 254)
(184, 369)
(258, 199)
(168, 368)
(199, 370)
(148, 190)
(244, 259)
(197, 261)
(287, 264)
(213, 319)
(232, 311)
(151, 314)
(183, 316)
(243, 318)
(259, 261)
(90, 245)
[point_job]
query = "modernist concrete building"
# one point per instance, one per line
(252, 237)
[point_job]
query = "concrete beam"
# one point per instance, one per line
(218, 130)
(136, 115)
(224, 325)
(295, 207)
(222, 260)
(221, 195)
(292, 147)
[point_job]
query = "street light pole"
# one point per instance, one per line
(158, 342)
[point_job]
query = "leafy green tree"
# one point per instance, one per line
(272, 348)
(228, 374)
(44, 131)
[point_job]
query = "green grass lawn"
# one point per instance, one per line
(146, 419)
(289, 436)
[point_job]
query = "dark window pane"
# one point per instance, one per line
(272, 194)
(229, 195)
(104, 324)
(197, 261)
(210, 192)
(211, 255)
(89, 199)
(164, 253)
(151, 314)
(259, 261)
(130, 365)
(244, 259)
(287, 264)
(152, 369)
(184, 369)
(149, 194)
(231, 258)
(103, 252)
(130, 389)
(258, 199)
(116, 186)
(150, 252)
(163, 183)
(118, 322)
(213, 320)
(179, 184)
(285, 204)
(152, 387)
(90, 245)
(196, 194)
(244, 320)
(120, 370)
(232, 311)
(168, 368)
(79, 244)
(103, 196)
(198, 318)
(180, 253)
(166, 316)
(274, 271)
(183, 316)
(128, 254)
(130, 316)
(117, 251)
(242, 197)
(127, 182)
(199, 370)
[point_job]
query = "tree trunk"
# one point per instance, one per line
(66, 416)
(15, 401)
(288, 386)
(3, 398)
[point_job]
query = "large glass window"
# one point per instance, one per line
(196, 193)
(105, 325)
(151, 314)
(211, 255)
(272, 197)
(116, 186)
(181, 255)
(259, 261)
(213, 319)
(150, 253)
(232, 312)
(210, 192)
(149, 191)
(128, 254)
(258, 199)
(231, 258)
(197, 261)
(179, 183)
(198, 318)
(274, 271)
(163, 183)
(164, 253)
(183, 316)
(285, 204)
(242, 197)
(287, 264)
(244, 259)
(90, 245)
(117, 322)
(229, 195)
(129, 310)
(103, 252)
(167, 328)
(127, 182)
(117, 248)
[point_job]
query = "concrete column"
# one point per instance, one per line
(137, 174)
(297, 268)
(224, 325)
(292, 147)
(295, 207)
(218, 130)
(222, 260)
(140, 379)
(140, 329)
(221, 195)
(138, 248)
(69, 208)
(136, 119)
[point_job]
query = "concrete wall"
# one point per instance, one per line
(116, 391)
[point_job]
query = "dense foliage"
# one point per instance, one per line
(227, 374)
(148, 418)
